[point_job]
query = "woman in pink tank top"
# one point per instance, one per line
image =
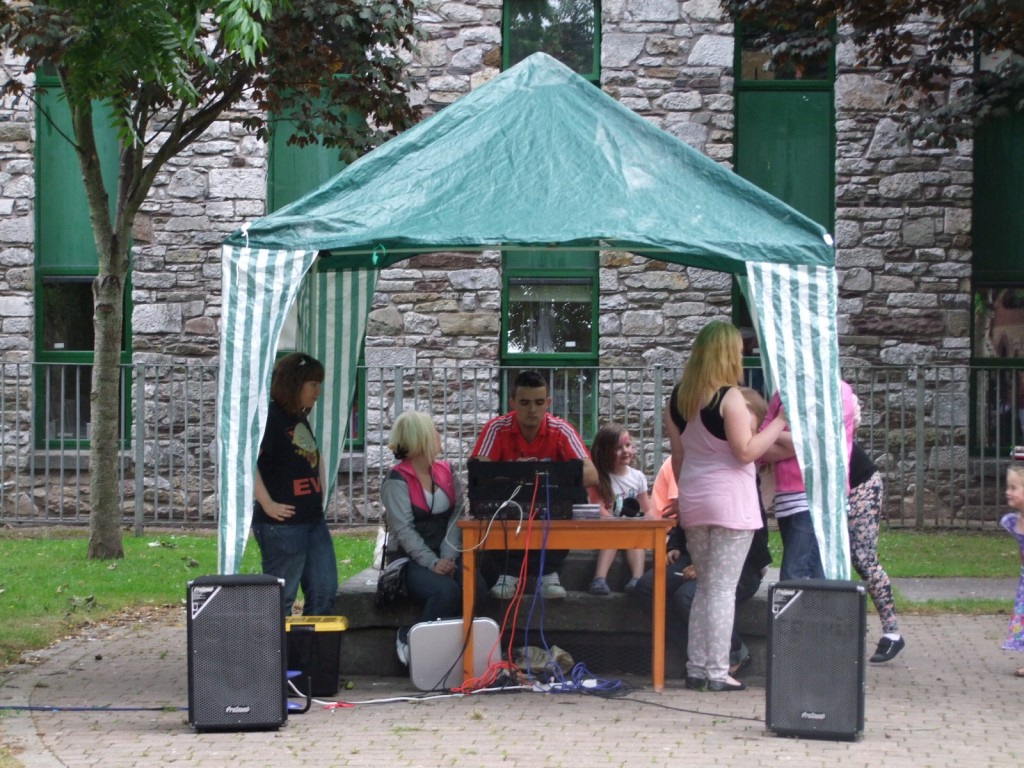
(714, 444)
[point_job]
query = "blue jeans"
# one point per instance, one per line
(800, 556)
(302, 555)
(441, 595)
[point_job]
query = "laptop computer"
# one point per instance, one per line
(500, 489)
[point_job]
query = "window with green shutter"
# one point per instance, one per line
(784, 139)
(550, 298)
(66, 265)
(549, 322)
(997, 235)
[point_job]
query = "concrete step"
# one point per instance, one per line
(609, 634)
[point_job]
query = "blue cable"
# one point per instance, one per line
(552, 667)
(581, 680)
(539, 587)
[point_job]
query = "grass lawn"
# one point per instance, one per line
(49, 589)
(939, 554)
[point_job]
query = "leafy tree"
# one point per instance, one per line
(980, 41)
(166, 71)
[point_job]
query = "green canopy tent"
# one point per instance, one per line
(537, 157)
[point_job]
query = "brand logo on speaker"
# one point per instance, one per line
(812, 715)
(234, 709)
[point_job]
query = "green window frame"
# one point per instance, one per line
(549, 322)
(568, 30)
(997, 369)
(66, 264)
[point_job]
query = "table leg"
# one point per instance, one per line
(658, 617)
(469, 543)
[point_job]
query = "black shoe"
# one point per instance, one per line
(724, 685)
(696, 683)
(887, 649)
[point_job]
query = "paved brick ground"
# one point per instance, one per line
(949, 700)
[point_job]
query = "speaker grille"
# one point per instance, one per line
(236, 653)
(815, 680)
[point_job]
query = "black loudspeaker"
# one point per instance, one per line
(815, 683)
(236, 653)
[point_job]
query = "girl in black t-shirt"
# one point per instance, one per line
(288, 517)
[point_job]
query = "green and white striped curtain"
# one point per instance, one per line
(258, 288)
(795, 311)
(333, 308)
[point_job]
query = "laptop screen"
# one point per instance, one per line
(501, 488)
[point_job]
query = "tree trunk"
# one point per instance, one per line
(113, 243)
(104, 465)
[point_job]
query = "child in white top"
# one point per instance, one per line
(621, 490)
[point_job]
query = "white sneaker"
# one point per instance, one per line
(505, 587)
(402, 649)
(551, 587)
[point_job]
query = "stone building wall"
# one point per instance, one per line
(902, 211)
(903, 232)
(17, 188)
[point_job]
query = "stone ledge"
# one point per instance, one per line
(609, 634)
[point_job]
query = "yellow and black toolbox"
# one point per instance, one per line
(314, 648)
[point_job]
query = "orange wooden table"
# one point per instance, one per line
(615, 533)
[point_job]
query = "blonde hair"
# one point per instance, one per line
(1016, 468)
(414, 434)
(716, 361)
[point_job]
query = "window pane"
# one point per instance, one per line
(756, 44)
(62, 213)
(67, 402)
(999, 410)
(293, 170)
(550, 316)
(999, 322)
(67, 316)
(998, 228)
(563, 29)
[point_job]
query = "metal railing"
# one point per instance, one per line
(941, 435)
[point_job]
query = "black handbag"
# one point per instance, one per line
(391, 583)
(391, 579)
